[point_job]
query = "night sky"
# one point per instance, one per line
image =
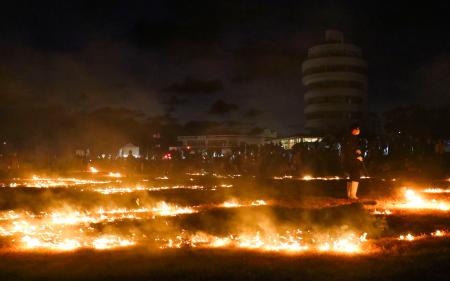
(214, 60)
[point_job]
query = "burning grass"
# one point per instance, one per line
(111, 230)
(412, 202)
(289, 242)
(111, 214)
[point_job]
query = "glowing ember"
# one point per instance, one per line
(197, 174)
(226, 176)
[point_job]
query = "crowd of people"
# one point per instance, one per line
(387, 156)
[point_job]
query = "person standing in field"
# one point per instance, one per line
(352, 160)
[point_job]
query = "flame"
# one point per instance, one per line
(197, 174)
(283, 177)
(439, 233)
(164, 209)
(382, 212)
(44, 234)
(101, 243)
(112, 190)
(111, 241)
(235, 204)
(39, 182)
(417, 202)
(93, 170)
(258, 203)
(408, 237)
(436, 190)
(69, 230)
(72, 229)
(114, 175)
(309, 178)
(289, 242)
(412, 201)
(230, 204)
(226, 176)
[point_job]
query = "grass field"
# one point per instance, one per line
(266, 208)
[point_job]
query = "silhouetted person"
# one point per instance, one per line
(352, 160)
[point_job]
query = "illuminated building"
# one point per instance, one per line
(129, 150)
(220, 141)
(334, 76)
(289, 142)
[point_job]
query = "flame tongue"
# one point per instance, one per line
(414, 201)
(291, 241)
(69, 230)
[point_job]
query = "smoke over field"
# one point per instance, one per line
(141, 226)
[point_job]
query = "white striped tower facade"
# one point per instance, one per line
(335, 81)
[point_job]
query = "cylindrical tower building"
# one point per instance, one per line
(334, 76)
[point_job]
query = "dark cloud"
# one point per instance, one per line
(266, 60)
(120, 112)
(194, 87)
(220, 108)
(12, 90)
(219, 128)
(156, 34)
(252, 113)
(173, 102)
(184, 23)
(87, 54)
(201, 127)
(96, 77)
(433, 81)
